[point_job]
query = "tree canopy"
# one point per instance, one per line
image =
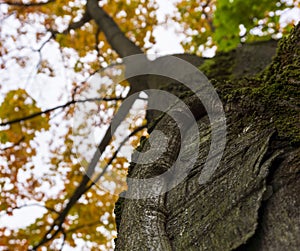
(49, 52)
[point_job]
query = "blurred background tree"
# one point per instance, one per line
(49, 51)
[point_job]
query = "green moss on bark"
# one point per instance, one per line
(272, 96)
(279, 89)
(220, 67)
(282, 86)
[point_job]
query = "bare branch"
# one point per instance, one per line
(97, 41)
(74, 25)
(13, 145)
(82, 226)
(64, 239)
(116, 38)
(18, 120)
(43, 44)
(31, 205)
(21, 4)
(56, 227)
(115, 155)
(208, 16)
(124, 47)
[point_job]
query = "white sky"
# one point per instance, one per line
(167, 40)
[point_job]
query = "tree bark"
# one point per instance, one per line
(251, 202)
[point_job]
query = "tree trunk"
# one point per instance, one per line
(251, 201)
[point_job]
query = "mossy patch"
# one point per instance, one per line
(280, 87)
(274, 94)
(220, 67)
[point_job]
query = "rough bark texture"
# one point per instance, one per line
(252, 200)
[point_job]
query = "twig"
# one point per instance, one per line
(31, 205)
(20, 4)
(64, 239)
(13, 145)
(74, 25)
(115, 155)
(82, 226)
(97, 41)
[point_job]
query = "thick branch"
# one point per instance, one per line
(116, 38)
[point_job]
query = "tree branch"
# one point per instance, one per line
(13, 145)
(31, 205)
(208, 15)
(115, 155)
(14, 121)
(21, 4)
(82, 226)
(74, 25)
(64, 240)
(97, 41)
(124, 47)
(116, 38)
(79, 191)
